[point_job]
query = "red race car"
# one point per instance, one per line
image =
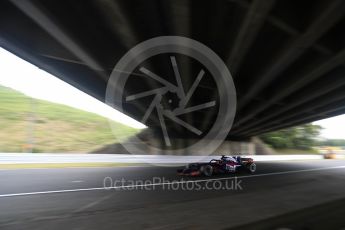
(226, 164)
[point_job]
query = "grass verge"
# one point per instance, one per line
(33, 125)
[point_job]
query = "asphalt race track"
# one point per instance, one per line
(293, 194)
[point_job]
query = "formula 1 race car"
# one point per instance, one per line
(226, 164)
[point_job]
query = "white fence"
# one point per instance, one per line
(27, 158)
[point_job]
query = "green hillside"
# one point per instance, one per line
(51, 127)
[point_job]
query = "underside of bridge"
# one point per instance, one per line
(286, 57)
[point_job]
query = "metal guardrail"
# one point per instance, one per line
(27, 158)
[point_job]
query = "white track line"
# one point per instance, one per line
(168, 183)
(50, 192)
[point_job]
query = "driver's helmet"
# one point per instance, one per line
(232, 158)
(229, 158)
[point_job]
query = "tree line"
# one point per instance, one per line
(302, 137)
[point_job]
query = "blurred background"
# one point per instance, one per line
(36, 118)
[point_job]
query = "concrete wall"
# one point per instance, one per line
(226, 148)
(154, 144)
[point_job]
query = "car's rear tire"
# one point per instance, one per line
(207, 170)
(251, 167)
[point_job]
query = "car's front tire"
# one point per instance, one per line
(251, 167)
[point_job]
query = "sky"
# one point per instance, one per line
(34, 82)
(334, 128)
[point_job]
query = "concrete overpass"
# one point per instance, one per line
(286, 57)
